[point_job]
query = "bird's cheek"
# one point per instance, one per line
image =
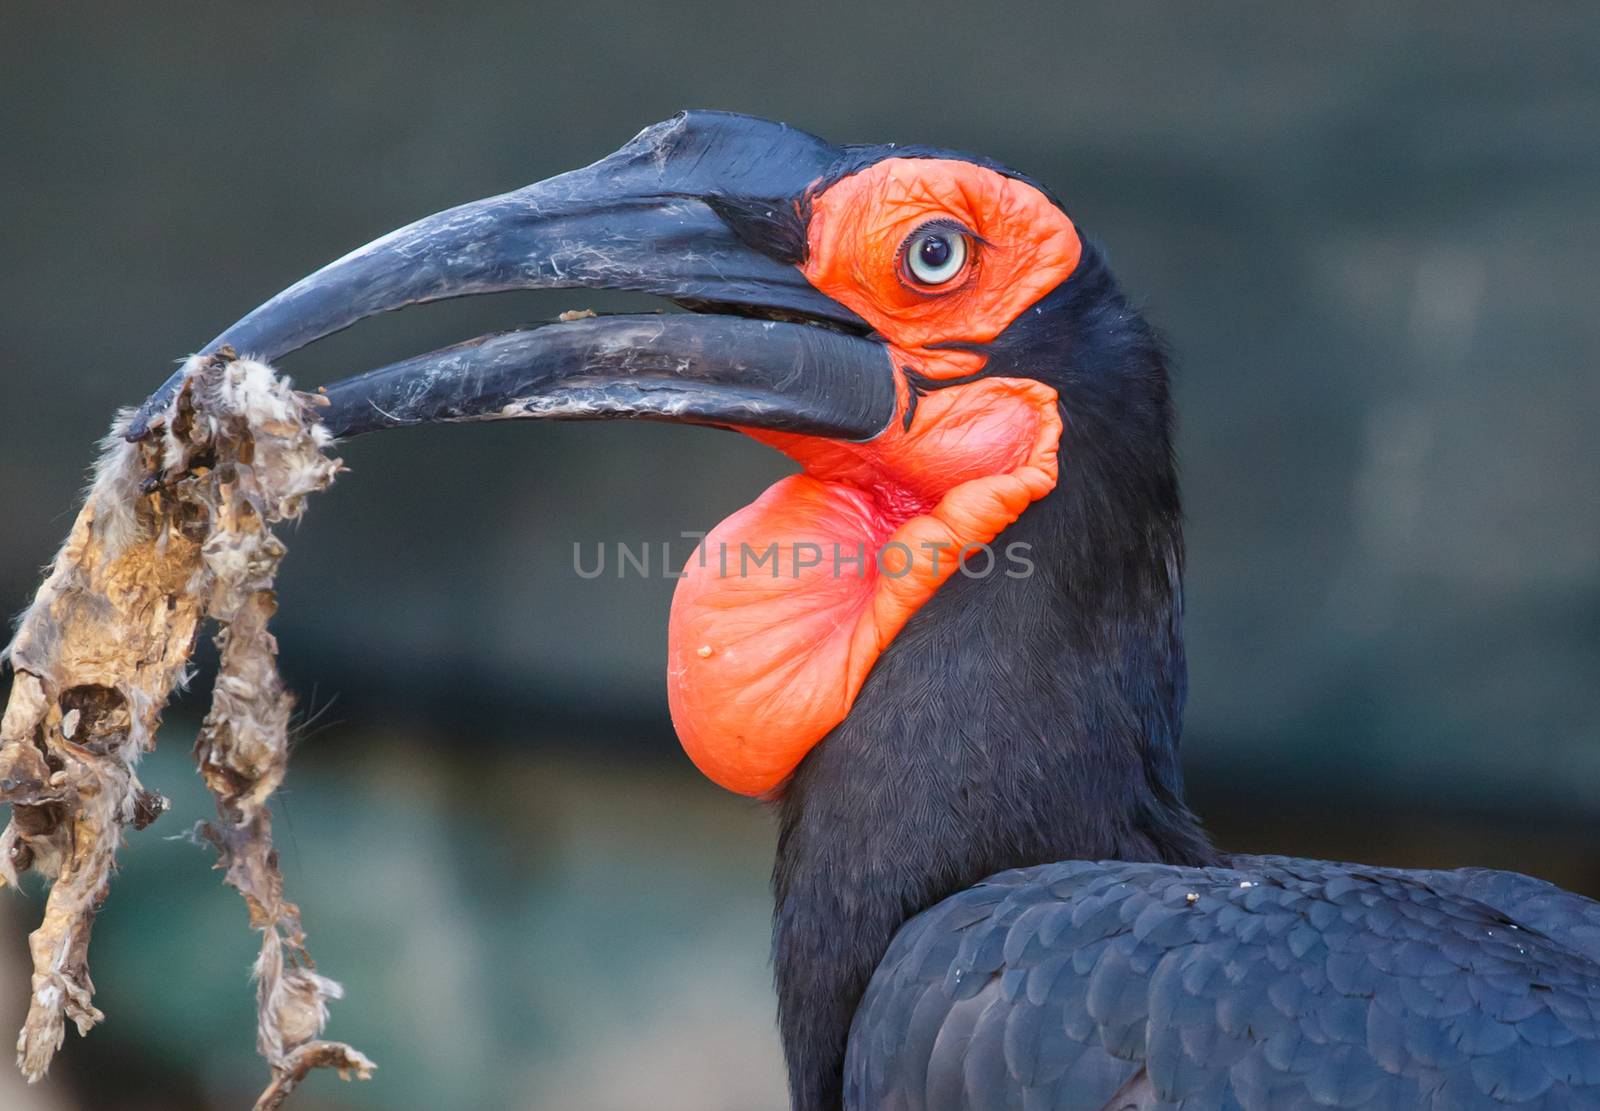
(943, 364)
(973, 430)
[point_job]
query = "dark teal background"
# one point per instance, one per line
(1368, 231)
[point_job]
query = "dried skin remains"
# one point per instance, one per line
(174, 530)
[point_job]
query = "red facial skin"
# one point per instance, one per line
(764, 660)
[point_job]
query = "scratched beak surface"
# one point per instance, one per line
(652, 218)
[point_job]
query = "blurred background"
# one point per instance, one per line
(1369, 232)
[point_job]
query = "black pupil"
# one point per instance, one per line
(934, 250)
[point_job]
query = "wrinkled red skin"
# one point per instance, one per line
(764, 659)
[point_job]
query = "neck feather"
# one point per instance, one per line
(1014, 721)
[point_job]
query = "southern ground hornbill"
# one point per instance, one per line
(990, 893)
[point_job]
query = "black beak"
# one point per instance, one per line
(701, 209)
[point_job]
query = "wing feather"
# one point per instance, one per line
(1269, 985)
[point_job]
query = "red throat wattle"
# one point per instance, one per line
(787, 604)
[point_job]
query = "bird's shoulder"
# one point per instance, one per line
(1271, 983)
(1531, 903)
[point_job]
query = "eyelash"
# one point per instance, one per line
(901, 254)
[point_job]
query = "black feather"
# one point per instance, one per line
(1222, 1025)
(1013, 722)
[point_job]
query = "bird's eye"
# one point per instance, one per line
(935, 254)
